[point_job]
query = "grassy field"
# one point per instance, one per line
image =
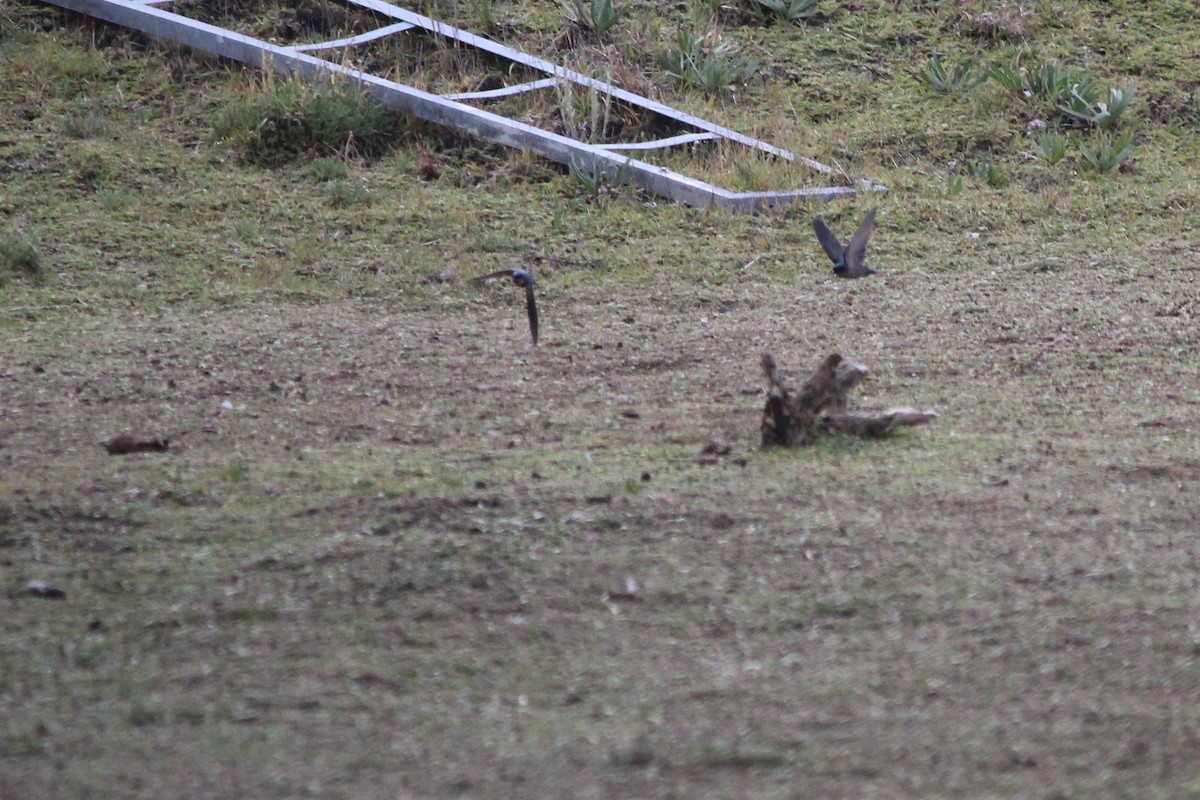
(394, 550)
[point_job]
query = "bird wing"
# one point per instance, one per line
(522, 278)
(500, 273)
(531, 310)
(856, 252)
(829, 242)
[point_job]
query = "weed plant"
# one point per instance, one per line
(247, 230)
(115, 198)
(988, 172)
(713, 68)
(345, 193)
(585, 117)
(18, 256)
(1077, 97)
(598, 17)
(1107, 153)
(85, 125)
(1049, 81)
(1070, 99)
(290, 119)
(1008, 77)
(954, 185)
(485, 13)
(962, 78)
(593, 182)
(324, 170)
(1084, 105)
(793, 11)
(1051, 147)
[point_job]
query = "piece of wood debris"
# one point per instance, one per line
(36, 588)
(791, 418)
(876, 423)
(124, 444)
(712, 453)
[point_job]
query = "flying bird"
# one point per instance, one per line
(848, 262)
(524, 278)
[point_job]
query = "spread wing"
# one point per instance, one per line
(531, 310)
(856, 253)
(523, 278)
(829, 242)
(500, 273)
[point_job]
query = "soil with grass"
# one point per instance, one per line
(372, 542)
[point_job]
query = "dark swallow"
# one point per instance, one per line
(848, 262)
(524, 278)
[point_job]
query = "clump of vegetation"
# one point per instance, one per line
(485, 13)
(586, 116)
(345, 193)
(1048, 81)
(598, 17)
(962, 78)
(793, 11)
(18, 256)
(324, 170)
(712, 67)
(115, 198)
(291, 118)
(1083, 104)
(1009, 78)
(1107, 153)
(1074, 105)
(954, 185)
(247, 230)
(594, 183)
(1077, 97)
(85, 125)
(989, 172)
(1051, 147)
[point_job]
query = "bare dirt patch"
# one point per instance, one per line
(392, 549)
(415, 524)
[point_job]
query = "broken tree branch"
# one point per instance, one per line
(791, 419)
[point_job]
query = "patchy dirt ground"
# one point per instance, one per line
(394, 551)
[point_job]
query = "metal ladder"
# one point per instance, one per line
(455, 110)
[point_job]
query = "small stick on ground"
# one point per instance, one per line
(123, 444)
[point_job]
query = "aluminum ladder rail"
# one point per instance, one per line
(450, 111)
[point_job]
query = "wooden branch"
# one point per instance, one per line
(849, 374)
(123, 444)
(791, 419)
(876, 423)
(787, 419)
(776, 426)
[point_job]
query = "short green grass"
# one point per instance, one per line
(394, 550)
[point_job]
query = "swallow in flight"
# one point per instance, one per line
(523, 278)
(848, 262)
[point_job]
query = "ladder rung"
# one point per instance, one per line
(657, 144)
(505, 92)
(350, 41)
